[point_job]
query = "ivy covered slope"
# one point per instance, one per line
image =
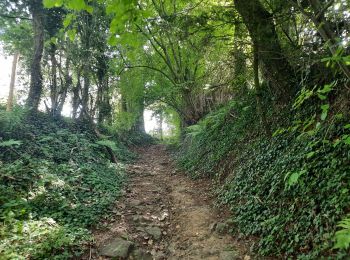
(56, 181)
(290, 190)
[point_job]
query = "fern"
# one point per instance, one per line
(9, 121)
(342, 237)
(108, 143)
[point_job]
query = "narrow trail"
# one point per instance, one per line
(165, 215)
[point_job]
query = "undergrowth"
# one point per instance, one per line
(56, 182)
(290, 190)
(212, 139)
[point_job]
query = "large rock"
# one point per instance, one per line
(117, 248)
(155, 232)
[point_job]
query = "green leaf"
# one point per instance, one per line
(108, 143)
(115, 25)
(89, 9)
(322, 97)
(68, 20)
(10, 142)
(335, 144)
(347, 140)
(279, 132)
(54, 40)
(309, 155)
(347, 126)
(71, 34)
(52, 3)
(326, 88)
(346, 60)
(77, 5)
(339, 116)
(112, 40)
(342, 237)
(324, 115)
(325, 109)
(304, 94)
(342, 240)
(293, 177)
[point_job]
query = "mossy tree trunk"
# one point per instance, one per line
(258, 91)
(276, 67)
(103, 96)
(36, 84)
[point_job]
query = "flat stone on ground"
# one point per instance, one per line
(155, 232)
(118, 247)
(135, 202)
(221, 228)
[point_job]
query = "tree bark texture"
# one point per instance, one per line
(10, 99)
(36, 85)
(276, 67)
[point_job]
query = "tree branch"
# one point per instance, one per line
(151, 68)
(15, 17)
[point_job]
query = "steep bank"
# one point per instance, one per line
(56, 182)
(290, 190)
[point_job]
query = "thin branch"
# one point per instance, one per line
(15, 17)
(151, 68)
(324, 9)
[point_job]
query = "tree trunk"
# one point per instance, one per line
(53, 88)
(240, 65)
(12, 83)
(76, 96)
(103, 97)
(140, 122)
(85, 92)
(85, 51)
(66, 85)
(258, 91)
(192, 114)
(36, 84)
(262, 30)
(161, 125)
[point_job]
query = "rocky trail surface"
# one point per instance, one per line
(165, 215)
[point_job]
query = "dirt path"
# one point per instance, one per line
(165, 215)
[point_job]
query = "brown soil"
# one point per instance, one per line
(183, 209)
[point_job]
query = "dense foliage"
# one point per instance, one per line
(56, 182)
(290, 190)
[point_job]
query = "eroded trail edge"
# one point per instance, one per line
(165, 215)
